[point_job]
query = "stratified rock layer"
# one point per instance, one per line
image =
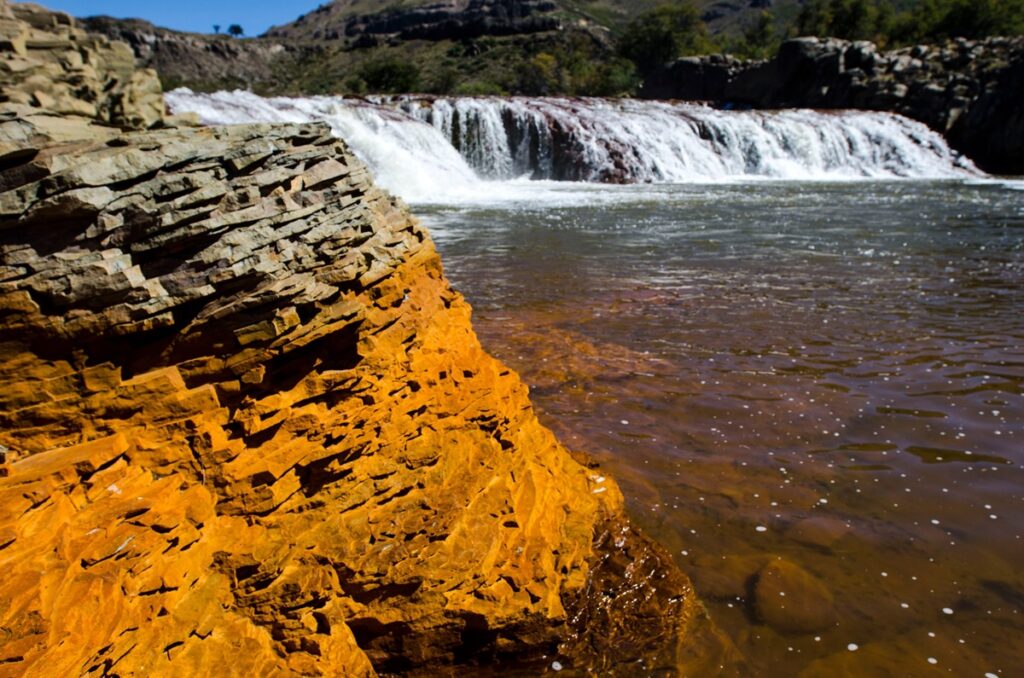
(248, 430)
(210, 61)
(48, 63)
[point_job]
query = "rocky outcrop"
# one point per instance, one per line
(970, 91)
(204, 61)
(246, 429)
(448, 20)
(48, 63)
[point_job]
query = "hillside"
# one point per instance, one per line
(530, 47)
(351, 19)
(446, 47)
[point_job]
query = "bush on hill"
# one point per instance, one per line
(662, 34)
(924, 21)
(389, 75)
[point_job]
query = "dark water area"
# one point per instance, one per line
(827, 377)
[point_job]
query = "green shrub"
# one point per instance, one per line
(847, 19)
(389, 75)
(759, 41)
(937, 19)
(662, 34)
(478, 88)
(617, 77)
(925, 21)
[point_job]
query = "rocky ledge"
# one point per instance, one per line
(970, 91)
(246, 429)
(208, 61)
(47, 62)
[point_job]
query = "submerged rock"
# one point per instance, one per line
(727, 577)
(822, 532)
(791, 600)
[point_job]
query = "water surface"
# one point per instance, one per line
(831, 374)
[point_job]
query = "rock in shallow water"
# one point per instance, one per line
(789, 599)
(822, 532)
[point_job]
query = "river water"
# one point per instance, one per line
(831, 374)
(798, 346)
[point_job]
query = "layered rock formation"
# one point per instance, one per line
(205, 61)
(48, 63)
(247, 429)
(970, 91)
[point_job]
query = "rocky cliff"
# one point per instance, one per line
(441, 46)
(970, 91)
(208, 61)
(451, 19)
(246, 429)
(48, 63)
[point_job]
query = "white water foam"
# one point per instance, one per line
(483, 149)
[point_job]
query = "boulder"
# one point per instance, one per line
(791, 600)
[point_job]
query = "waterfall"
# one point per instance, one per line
(426, 148)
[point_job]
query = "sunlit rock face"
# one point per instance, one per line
(49, 64)
(247, 429)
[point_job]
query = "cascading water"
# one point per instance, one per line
(642, 141)
(429, 149)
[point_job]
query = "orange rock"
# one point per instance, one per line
(249, 431)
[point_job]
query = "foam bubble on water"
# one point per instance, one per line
(947, 610)
(761, 528)
(852, 647)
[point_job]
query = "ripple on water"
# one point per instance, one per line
(760, 377)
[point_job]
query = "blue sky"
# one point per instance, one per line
(255, 16)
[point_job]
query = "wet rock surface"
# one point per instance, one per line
(971, 91)
(789, 599)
